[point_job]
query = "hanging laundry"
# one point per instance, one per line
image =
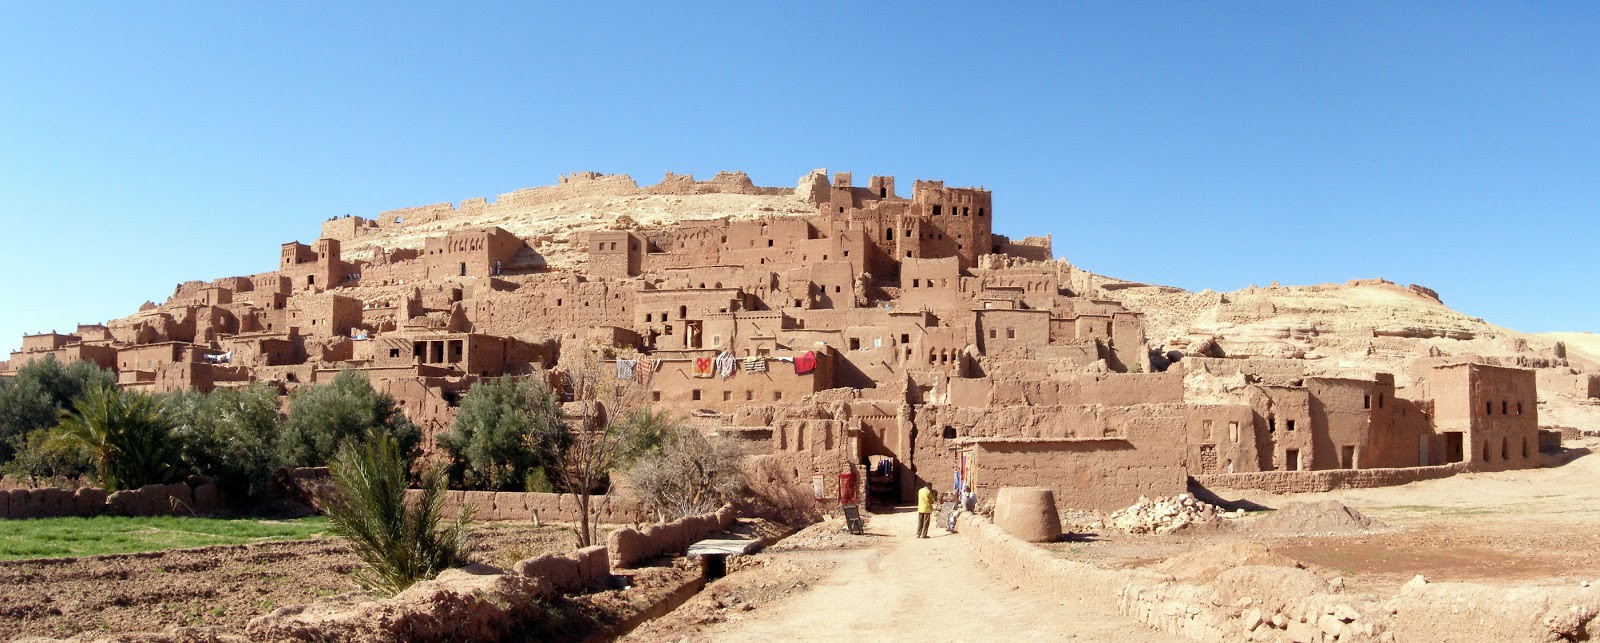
(725, 365)
(702, 366)
(647, 367)
(805, 363)
(755, 365)
(625, 369)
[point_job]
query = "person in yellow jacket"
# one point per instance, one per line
(925, 497)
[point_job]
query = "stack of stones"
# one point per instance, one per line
(1166, 515)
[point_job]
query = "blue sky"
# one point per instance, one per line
(1202, 145)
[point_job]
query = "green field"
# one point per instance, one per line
(60, 537)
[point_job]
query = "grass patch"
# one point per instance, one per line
(76, 536)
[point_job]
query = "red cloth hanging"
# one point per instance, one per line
(805, 363)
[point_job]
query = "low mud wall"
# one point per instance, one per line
(481, 602)
(1327, 480)
(574, 571)
(176, 499)
(630, 546)
(1273, 603)
(556, 507)
(314, 486)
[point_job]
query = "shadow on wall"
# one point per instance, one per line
(1210, 497)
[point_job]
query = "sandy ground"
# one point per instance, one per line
(1511, 528)
(897, 588)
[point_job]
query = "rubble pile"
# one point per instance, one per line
(1166, 515)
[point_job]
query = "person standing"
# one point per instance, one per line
(964, 502)
(925, 498)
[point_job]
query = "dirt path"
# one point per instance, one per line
(907, 589)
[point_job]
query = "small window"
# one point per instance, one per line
(1272, 424)
(949, 433)
(1488, 408)
(905, 338)
(1011, 333)
(1366, 401)
(727, 396)
(1233, 431)
(855, 343)
(777, 396)
(648, 318)
(993, 333)
(1290, 425)
(980, 215)
(1519, 408)
(749, 395)
(394, 352)
(916, 283)
(888, 235)
(694, 394)
(769, 243)
(936, 210)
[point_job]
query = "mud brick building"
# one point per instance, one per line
(896, 337)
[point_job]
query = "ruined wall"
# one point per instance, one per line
(176, 499)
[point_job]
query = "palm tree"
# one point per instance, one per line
(400, 543)
(126, 434)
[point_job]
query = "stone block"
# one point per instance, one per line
(594, 563)
(154, 502)
(180, 499)
(1302, 633)
(565, 574)
(124, 503)
(511, 506)
(88, 501)
(55, 502)
(625, 547)
(482, 503)
(1028, 513)
(207, 499)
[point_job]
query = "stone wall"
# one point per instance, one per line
(314, 486)
(481, 602)
(1308, 481)
(177, 499)
(629, 546)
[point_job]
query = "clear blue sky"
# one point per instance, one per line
(1203, 145)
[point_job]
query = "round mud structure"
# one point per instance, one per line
(1028, 513)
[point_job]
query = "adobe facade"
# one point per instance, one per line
(896, 337)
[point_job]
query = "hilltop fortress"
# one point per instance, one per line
(832, 327)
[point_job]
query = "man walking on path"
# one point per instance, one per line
(925, 497)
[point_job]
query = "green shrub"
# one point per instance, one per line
(126, 434)
(506, 430)
(398, 545)
(322, 418)
(37, 464)
(232, 435)
(36, 396)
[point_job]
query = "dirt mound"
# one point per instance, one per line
(1207, 563)
(1314, 518)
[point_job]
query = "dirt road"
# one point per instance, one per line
(908, 589)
